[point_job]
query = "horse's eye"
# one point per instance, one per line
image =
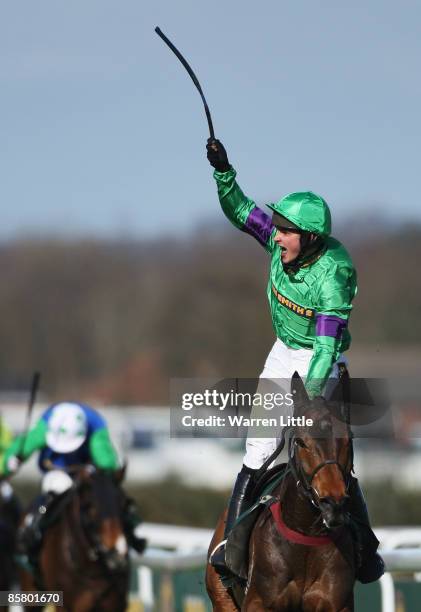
(300, 442)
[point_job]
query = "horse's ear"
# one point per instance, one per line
(299, 393)
(85, 472)
(339, 391)
(120, 474)
(340, 395)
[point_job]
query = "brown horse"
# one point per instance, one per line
(301, 554)
(84, 551)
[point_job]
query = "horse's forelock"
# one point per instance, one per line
(103, 493)
(325, 423)
(318, 412)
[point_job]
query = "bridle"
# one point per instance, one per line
(304, 481)
(109, 559)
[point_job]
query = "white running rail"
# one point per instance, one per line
(400, 549)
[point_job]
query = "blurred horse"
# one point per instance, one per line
(84, 551)
(9, 518)
(302, 556)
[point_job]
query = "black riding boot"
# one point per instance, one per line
(31, 531)
(371, 564)
(237, 505)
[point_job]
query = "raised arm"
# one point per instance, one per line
(238, 208)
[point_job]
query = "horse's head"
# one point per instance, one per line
(101, 510)
(320, 454)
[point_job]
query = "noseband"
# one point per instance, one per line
(305, 481)
(109, 558)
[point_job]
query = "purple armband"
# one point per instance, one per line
(330, 325)
(259, 225)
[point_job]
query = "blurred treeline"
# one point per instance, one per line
(117, 319)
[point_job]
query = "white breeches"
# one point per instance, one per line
(280, 365)
(56, 481)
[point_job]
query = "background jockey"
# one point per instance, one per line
(7, 496)
(6, 437)
(67, 434)
(312, 282)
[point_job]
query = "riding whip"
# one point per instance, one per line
(34, 389)
(192, 76)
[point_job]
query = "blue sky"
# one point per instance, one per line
(103, 132)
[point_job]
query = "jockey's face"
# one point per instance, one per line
(289, 240)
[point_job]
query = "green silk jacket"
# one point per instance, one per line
(310, 309)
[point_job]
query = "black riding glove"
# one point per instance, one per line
(217, 155)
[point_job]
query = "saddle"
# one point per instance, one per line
(236, 551)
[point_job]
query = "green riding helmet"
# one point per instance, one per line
(305, 210)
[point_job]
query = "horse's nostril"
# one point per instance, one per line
(335, 504)
(332, 512)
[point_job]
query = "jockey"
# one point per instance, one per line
(5, 437)
(312, 282)
(67, 434)
(7, 495)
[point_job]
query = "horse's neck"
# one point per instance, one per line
(298, 512)
(74, 531)
(63, 536)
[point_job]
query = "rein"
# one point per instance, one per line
(94, 549)
(90, 542)
(305, 480)
(304, 485)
